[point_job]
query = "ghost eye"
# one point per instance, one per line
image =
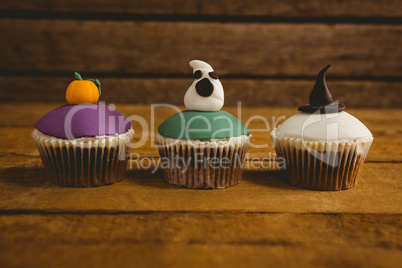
(197, 74)
(213, 75)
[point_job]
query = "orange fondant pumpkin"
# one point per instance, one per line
(83, 91)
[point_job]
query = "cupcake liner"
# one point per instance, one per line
(197, 164)
(321, 165)
(84, 162)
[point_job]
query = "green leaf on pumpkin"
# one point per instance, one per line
(77, 76)
(97, 83)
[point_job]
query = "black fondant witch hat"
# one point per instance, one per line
(320, 97)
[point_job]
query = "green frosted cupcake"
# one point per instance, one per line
(203, 147)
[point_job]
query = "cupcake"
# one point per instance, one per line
(203, 147)
(322, 147)
(83, 143)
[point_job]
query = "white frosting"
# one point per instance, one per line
(323, 127)
(97, 141)
(193, 101)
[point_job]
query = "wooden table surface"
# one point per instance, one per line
(145, 222)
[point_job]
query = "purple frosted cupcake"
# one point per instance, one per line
(85, 144)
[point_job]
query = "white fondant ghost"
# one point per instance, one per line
(193, 100)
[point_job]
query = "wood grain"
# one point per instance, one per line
(270, 8)
(251, 92)
(23, 187)
(165, 48)
(200, 240)
(267, 54)
(145, 222)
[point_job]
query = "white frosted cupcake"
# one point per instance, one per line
(322, 147)
(203, 147)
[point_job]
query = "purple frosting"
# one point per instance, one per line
(84, 120)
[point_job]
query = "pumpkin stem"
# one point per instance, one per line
(77, 76)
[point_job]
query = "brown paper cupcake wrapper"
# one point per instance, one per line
(321, 165)
(84, 162)
(203, 164)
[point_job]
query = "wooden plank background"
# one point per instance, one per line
(265, 51)
(143, 221)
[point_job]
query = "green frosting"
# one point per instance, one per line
(195, 125)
